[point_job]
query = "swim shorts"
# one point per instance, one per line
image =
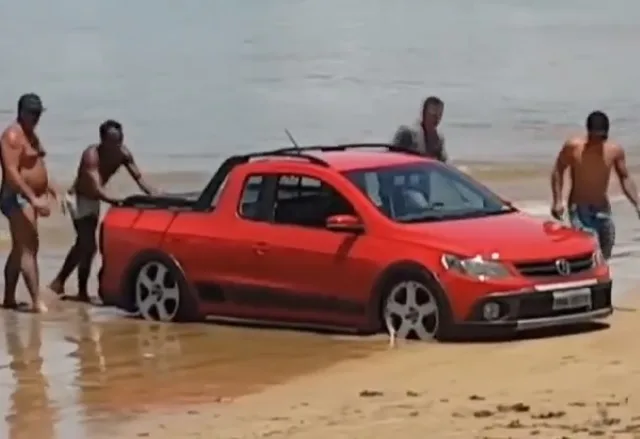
(597, 221)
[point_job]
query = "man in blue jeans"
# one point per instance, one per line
(590, 159)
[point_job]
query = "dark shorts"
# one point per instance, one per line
(11, 201)
(598, 222)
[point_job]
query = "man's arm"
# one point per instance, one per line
(135, 173)
(626, 182)
(559, 169)
(403, 138)
(11, 149)
(90, 166)
(442, 154)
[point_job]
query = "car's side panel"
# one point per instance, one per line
(216, 251)
(125, 233)
(214, 254)
(306, 274)
(317, 264)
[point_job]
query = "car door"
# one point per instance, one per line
(311, 268)
(218, 254)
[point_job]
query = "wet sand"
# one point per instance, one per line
(577, 385)
(80, 368)
(93, 372)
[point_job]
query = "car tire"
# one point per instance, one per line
(161, 292)
(413, 306)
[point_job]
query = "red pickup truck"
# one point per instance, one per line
(359, 237)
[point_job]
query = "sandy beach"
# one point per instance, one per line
(91, 372)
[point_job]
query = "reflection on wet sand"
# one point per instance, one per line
(109, 368)
(130, 365)
(31, 414)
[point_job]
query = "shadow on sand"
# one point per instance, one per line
(552, 332)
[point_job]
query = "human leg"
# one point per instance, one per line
(24, 226)
(8, 205)
(87, 251)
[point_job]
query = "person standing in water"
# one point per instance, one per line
(98, 164)
(424, 136)
(590, 159)
(24, 197)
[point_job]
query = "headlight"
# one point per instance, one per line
(475, 267)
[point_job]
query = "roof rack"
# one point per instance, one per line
(288, 152)
(346, 146)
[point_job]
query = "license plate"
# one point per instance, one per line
(572, 299)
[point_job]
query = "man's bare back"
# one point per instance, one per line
(103, 163)
(590, 169)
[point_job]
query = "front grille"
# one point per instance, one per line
(576, 264)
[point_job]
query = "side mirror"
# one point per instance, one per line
(345, 223)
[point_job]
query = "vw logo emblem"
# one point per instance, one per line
(563, 267)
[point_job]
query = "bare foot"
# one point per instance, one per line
(77, 298)
(10, 304)
(57, 288)
(39, 307)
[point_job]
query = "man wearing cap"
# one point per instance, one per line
(98, 163)
(590, 160)
(25, 195)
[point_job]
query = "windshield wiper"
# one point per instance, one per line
(505, 209)
(432, 216)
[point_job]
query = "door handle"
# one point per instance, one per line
(260, 248)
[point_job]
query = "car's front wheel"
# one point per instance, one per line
(411, 309)
(160, 292)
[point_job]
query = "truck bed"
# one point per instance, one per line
(201, 200)
(178, 201)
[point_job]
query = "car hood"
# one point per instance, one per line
(513, 236)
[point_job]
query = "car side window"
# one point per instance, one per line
(307, 201)
(249, 200)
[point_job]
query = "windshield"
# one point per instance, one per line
(421, 192)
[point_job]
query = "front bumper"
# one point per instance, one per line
(534, 309)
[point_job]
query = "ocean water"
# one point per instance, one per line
(197, 80)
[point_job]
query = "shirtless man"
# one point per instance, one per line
(590, 160)
(98, 164)
(24, 196)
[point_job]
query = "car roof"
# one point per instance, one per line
(353, 160)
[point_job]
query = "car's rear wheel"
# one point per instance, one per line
(160, 292)
(411, 309)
